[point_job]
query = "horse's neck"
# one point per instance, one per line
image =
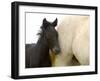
(42, 45)
(43, 52)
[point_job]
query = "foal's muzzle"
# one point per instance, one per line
(56, 50)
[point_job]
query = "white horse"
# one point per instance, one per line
(73, 34)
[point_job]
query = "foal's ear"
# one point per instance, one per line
(55, 22)
(45, 22)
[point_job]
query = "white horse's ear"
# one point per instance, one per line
(55, 22)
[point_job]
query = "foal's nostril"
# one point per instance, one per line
(56, 50)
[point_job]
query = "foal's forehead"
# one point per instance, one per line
(52, 30)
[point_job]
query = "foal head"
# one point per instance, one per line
(50, 35)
